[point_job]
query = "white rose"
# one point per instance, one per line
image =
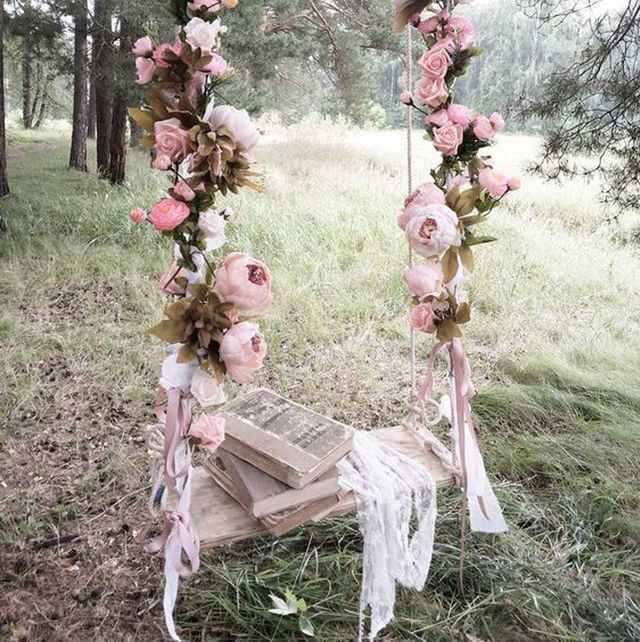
(237, 122)
(202, 35)
(206, 389)
(212, 225)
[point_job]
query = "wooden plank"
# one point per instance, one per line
(220, 519)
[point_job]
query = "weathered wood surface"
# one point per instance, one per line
(220, 519)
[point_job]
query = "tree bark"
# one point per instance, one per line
(118, 152)
(4, 183)
(78, 156)
(91, 125)
(27, 83)
(103, 56)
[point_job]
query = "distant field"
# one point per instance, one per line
(554, 342)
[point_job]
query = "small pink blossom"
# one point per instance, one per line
(431, 92)
(172, 142)
(435, 62)
(166, 48)
(460, 114)
(202, 35)
(448, 139)
(433, 231)
(429, 26)
(406, 98)
(184, 191)
(483, 129)
(243, 351)
(217, 66)
(168, 214)
(143, 47)
(137, 215)
(424, 279)
(146, 69)
(497, 122)
(462, 31)
(209, 431)
(423, 318)
(245, 282)
(439, 118)
(495, 183)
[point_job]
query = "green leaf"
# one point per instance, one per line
(479, 240)
(306, 627)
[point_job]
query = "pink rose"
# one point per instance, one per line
(243, 351)
(448, 139)
(435, 62)
(183, 190)
(424, 279)
(406, 98)
(166, 48)
(209, 431)
(433, 231)
(202, 35)
(217, 66)
(236, 122)
(495, 183)
(168, 214)
(206, 389)
(431, 92)
(212, 225)
(137, 215)
(172, 143)
(168, 283)
(426, 194)
(429, 26)
(514, 184)
(462, 31)
(497, 121)
(423, 318)
(439, 118)
(145, 68)
(459, 114)
(245, 282)
(143, 47)
(483, 129)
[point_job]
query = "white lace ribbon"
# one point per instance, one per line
(390, 488)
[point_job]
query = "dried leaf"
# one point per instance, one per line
(450, 264)
(186, 354)
(466, 256)
(452, 197)
(463, 313)
(169, 331)
(143, 117)
(448, 330)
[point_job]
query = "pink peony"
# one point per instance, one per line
(462, 31)
(433, 231)
(145, 68)
(483, 129)
(206, 389)
(448, 139)
(168, 214)
(245, 282)
(183, 190)
(495, 183)
(423, 318)
(202, 35)
(209, 431)
(497, 121)
(143, 47)
(237, 122)
(424, 279)
(439, 118)
(137, 215)
(168, 283)
(406, 98)
(164, 48)
(212, 225)
(243, 351)
(431, 92)
(459, 114)
(426, 194)
(429, 26)
(435, 62)
(217, 66)
(172, 143)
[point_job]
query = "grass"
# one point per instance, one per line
(555, 345)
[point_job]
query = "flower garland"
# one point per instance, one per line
(206, 149)
(440, 219)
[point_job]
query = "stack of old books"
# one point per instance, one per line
(278, 461)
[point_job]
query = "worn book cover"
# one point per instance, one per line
(284, 439)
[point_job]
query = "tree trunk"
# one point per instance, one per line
(118, 162)
(27, 83)
(4, 184)
(44, 102)
(103, 56)
(78, 156)
(91, 125)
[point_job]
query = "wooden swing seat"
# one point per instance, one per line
(219, 519)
